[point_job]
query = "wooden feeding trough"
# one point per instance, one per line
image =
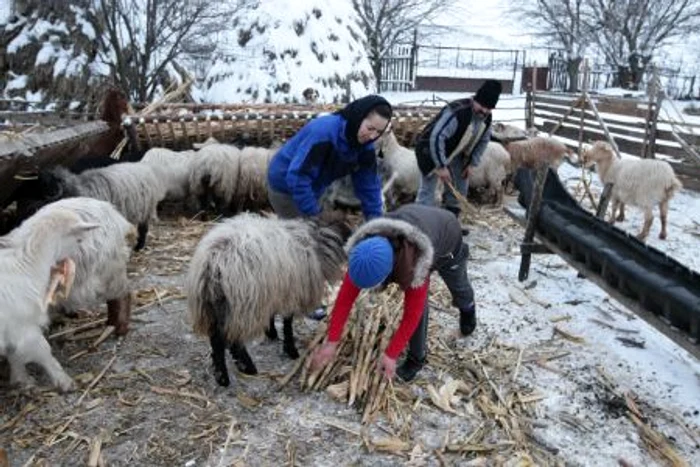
(180, 126)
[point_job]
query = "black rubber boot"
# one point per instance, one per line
(410, 367)
(467, 320)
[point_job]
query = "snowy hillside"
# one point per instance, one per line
(283, 47)
(51, 54)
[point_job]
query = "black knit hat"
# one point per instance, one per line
(488, 93)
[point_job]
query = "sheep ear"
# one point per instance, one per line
(83, 227)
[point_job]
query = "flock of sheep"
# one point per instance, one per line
(79, 230)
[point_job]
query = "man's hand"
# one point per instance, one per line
(323, 355)
(466, 171)
(443, 174)
(387, 366)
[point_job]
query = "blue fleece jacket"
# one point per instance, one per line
(317, 155)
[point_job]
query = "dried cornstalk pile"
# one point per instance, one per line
(353, 375)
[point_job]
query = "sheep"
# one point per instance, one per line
(530, 152)
(231, 178)
(101, 261)
(249, 268)
(401, 165)
(504, 133)
(251, 188)
(492, 171)
(214, 178)
(133, 188)
(28, 259)
(644, 183)
(173, 169)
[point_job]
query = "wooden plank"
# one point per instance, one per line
(30, 144)
(566, 103)
(621, 107)
(589, 134)
(688, 170)
(616, 130)
(692, 139)
(589, 114)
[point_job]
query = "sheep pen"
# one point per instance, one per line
(149, 399)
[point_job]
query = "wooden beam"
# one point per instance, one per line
(533, 213)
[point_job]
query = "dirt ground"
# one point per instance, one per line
(150, 398)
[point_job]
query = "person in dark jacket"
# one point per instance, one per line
(404, 247)
(325, 149)
(452, 142)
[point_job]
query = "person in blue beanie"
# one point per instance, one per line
(404, 247)
(327, 148)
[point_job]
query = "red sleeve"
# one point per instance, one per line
(413, 306)
(341, 309)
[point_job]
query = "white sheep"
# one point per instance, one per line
(493, 168)
(401, 168)
(101, 261)
(173, 169)
(505, 133)
(530, 152)
(27, 260)
(249, 268)
(251, 190)
(133, 188)
(644, 183)
(214, 177)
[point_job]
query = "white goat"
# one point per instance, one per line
(401, 168)
(27, 259)
(644, 183)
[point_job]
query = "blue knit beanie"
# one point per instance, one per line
(370, 262)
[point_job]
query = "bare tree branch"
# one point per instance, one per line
(561, 23)
(148, 37)
(630, 32)
(387, 23)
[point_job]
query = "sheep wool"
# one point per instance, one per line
(249, 268)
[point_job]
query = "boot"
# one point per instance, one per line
(467, 320)
(410, 367)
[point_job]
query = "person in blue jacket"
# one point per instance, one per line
(327, 148)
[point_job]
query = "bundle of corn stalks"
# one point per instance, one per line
(353, 375)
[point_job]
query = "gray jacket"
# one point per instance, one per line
(422, 237)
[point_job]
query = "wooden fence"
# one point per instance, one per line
(637, 127)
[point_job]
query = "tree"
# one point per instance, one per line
(387, 23)
(629, 32)
(144, 39)
(561, 23)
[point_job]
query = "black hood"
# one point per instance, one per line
(356, 111)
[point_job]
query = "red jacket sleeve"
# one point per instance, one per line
(341, 309)
(413, 306)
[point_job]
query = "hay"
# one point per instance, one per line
(352, 377)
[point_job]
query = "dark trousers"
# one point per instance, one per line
(453, 270)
